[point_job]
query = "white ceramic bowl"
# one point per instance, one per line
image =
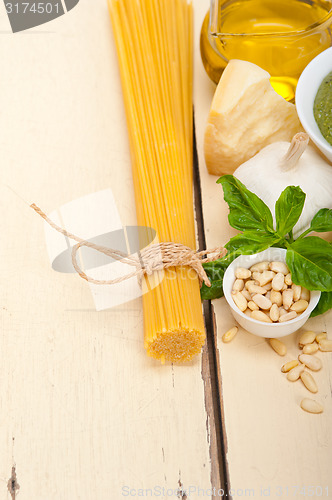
(307, 87)
(267, 330)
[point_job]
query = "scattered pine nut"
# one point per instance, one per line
(325, 345)
(311, 406)
(295, 373)
(321, 336)
(278, 346)
(307, 338)
(310, 348)
(230, 334)
(311, 361)
(309, 381)
(289, 365)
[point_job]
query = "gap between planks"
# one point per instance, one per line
(210, 364)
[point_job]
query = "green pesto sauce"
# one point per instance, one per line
(323, 108)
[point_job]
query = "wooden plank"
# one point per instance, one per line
(84, 413)
(274, 449)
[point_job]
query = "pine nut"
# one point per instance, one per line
(242, 273)
(278, 282)
(278, 346)
(240, 301)
(255, 276)
(282, 311)
(289, 365)
(310, 348)
(260, 316)
(265, 277)
(260, 267)
(287, 317)
(287, 298)
(238, 285)
(307, 338)
(261, 301)
(295, 373)
(246, 294)
(256, 289)
(305, 294)
(284, 287)
(297, 292)
(321, 336)
(288, 279)
(311, 406)
(300, 306)
(311, 361)
(249, 283)
(230, 334)
(253, 306)
(268, 286)
(274, 312)
(276, 298)
(309, 381)
(279, 267)
(325, 345)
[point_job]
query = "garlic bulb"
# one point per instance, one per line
(283, 164)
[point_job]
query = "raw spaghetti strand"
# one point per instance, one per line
(154, 46)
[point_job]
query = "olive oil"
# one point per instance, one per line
(281, 36)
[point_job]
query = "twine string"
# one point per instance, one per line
(153, 258)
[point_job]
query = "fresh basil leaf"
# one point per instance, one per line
(215, 272)
(322, 221)
(288, 209)
(250, 242)
(310, 262)
(324, 304)
(246, 210)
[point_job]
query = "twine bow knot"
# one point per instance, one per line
(153, 258)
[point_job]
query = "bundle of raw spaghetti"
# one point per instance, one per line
(154, 46)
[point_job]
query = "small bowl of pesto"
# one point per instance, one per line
(313, 101)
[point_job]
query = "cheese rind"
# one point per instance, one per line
(245, 116)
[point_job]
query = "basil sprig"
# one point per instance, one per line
(309, 258)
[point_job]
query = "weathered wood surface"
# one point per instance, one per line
(274, 448)
(84, 412)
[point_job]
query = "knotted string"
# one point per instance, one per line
(153, 258)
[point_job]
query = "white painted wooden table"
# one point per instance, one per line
(84, 413)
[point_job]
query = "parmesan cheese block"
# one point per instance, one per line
(245, 116)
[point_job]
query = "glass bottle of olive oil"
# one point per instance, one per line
(280, 36)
